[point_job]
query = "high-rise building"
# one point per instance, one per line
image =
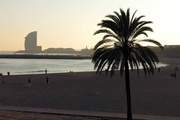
(31, 43)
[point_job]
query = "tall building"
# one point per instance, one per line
(31, 43)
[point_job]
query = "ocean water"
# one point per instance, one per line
(38, 66)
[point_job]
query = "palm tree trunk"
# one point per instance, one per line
(128, 91)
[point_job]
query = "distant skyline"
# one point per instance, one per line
(71, 23)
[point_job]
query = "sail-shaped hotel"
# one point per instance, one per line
(31, 43)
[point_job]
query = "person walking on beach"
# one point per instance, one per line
(159, 70)
(3, 80)
(175, 75)
(29, 82)
(8, 73)
(47, 80)
(172, 75)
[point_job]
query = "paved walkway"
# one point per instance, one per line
(85, 113)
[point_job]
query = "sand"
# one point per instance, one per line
(155, 95)
(14, 115)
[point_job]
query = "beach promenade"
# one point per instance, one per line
(21, 113)
(88, 92)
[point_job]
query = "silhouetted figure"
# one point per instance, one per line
(175, 75)
(8, 73)
(45, 71)
(47, 80)
(172, 75)
(29, 81)
(159, 70)
(3, 80)
(176, 68)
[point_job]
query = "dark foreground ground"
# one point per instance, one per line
(158, 95)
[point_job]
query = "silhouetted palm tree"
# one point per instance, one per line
(120, 49)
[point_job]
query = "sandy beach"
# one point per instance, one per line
(86, 91)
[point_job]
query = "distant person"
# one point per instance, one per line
(175, 75)
(29, 81)
(8, 73)
(3, 80)
(159, 70)
(47, 80)
(45, 71)
(175, 68)
(172, 75)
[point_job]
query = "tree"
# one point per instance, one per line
(120, 48)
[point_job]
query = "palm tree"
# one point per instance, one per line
(120, 49)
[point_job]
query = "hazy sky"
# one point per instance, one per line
(71, 23)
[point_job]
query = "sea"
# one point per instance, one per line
(38, 66)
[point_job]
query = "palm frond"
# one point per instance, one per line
(114, 18)
(122, 66)
(103, 31)
(135, 62)
(103, 42)
(109, 24)
(152, 41)
(141, 31)
(132, 18)
(136, 25)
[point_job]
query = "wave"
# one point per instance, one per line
(35, 71)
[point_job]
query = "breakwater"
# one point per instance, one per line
(32, 56)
